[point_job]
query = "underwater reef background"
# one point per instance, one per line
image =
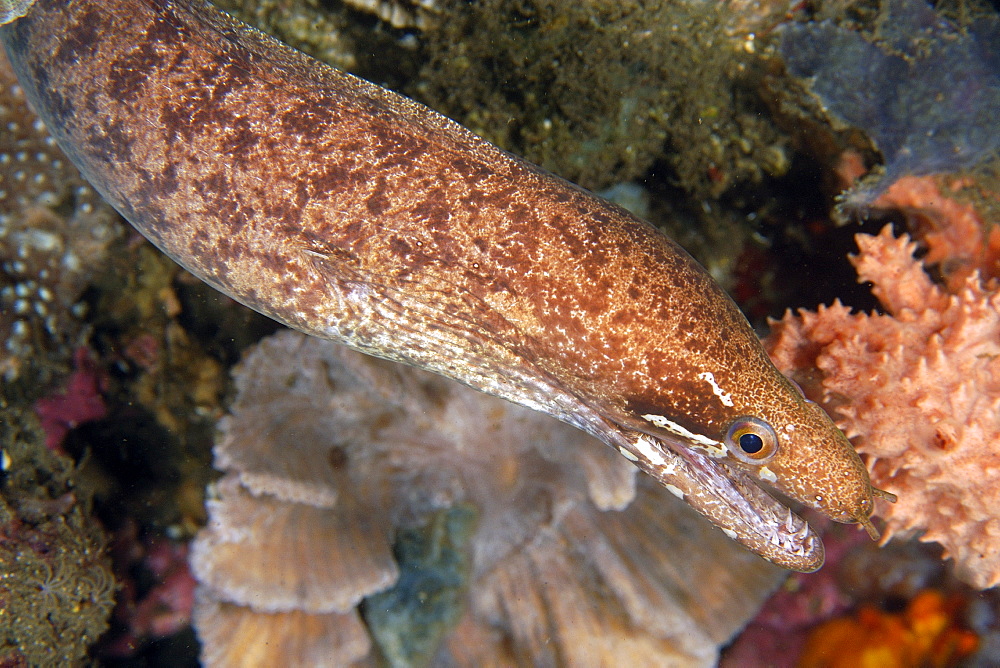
(772, 139)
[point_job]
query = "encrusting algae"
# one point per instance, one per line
(604, 89)
(56, 585)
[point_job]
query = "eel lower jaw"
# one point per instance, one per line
(765, 525)
(726, 495)
(790, 540)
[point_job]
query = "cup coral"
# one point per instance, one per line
(460, 528)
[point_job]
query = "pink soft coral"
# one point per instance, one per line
(918, 389)
(79, 402)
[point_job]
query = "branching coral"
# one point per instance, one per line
(918, 388)
(497, 535)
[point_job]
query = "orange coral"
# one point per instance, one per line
(918, 389)
(955, 233)
(925, 634)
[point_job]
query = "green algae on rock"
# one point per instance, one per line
(597, 91)
(409, 621)
(56, 585)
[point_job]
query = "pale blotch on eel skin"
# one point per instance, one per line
(54, 232)
(572, 558)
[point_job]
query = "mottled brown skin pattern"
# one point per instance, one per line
(351, 213)
(12, 9)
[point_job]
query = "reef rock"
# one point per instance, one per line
(54, 234)
(923, 89)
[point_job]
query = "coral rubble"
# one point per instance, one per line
(918, 388)
(461, 528)
(399, 13)
(318, 31)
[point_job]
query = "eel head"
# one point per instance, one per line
(724, 464)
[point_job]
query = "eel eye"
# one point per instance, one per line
(751, 440)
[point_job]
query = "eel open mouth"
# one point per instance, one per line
(726, 495)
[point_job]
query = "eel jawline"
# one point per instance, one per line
(726, 496)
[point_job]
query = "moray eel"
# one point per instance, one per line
(351, 213)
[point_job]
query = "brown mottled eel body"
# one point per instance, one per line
(354, 214)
